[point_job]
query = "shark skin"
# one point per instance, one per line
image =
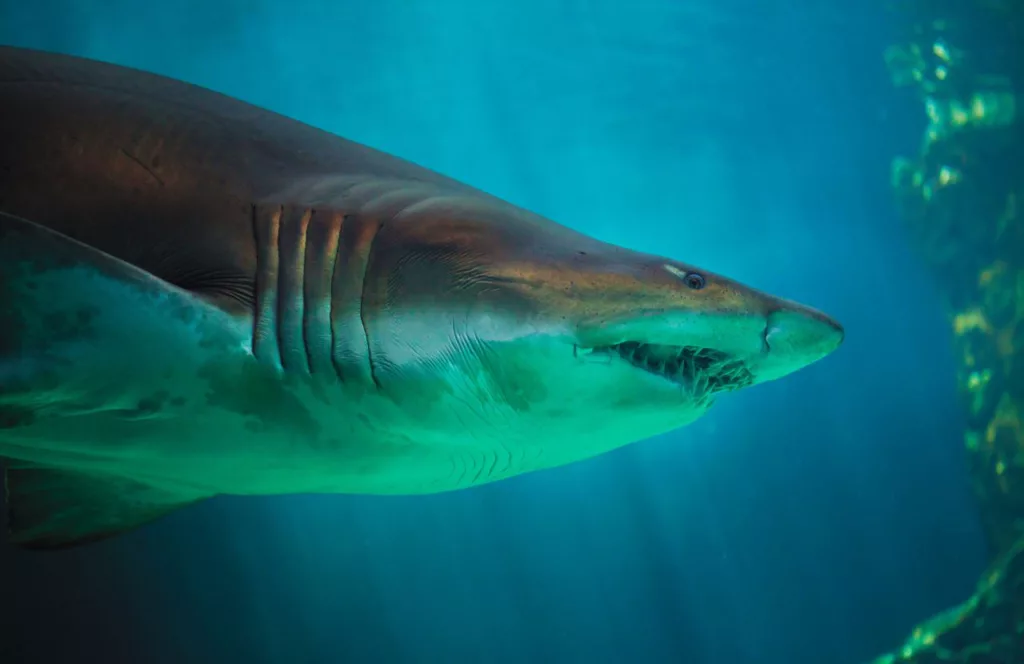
(201, 297)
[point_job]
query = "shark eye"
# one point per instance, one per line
(694, 280)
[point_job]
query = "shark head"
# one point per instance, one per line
(533, 331)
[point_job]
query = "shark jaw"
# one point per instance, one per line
(700, 372)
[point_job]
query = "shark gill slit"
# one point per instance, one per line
(351, 351)
(266, 221)
(404, 203)
(290, 287)
(339, 253)
(362, 303)
(323, 237)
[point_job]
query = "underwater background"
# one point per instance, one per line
(814, 519)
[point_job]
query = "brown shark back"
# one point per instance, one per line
(163, 174)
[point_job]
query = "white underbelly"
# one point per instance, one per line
(215, 451)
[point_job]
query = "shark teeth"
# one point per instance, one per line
(701, 371)
(591, 355)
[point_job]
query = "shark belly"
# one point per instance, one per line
(105, 369)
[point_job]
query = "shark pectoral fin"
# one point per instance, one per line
(83, 331)
(56, 509)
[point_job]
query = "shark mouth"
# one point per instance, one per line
(703, 371)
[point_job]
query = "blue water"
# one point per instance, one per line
(810, 520)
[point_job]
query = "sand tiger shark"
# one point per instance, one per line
(199, 297)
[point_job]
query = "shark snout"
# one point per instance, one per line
(802, 329)
(796, 336)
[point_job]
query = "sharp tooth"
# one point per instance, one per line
(593, 355)
(703, 384)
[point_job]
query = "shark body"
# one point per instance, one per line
(201, 297)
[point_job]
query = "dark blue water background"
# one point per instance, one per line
(810, 520)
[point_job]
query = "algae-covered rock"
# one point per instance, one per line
(988, 628)
(962, 198)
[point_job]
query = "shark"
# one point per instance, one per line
(200, 297)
